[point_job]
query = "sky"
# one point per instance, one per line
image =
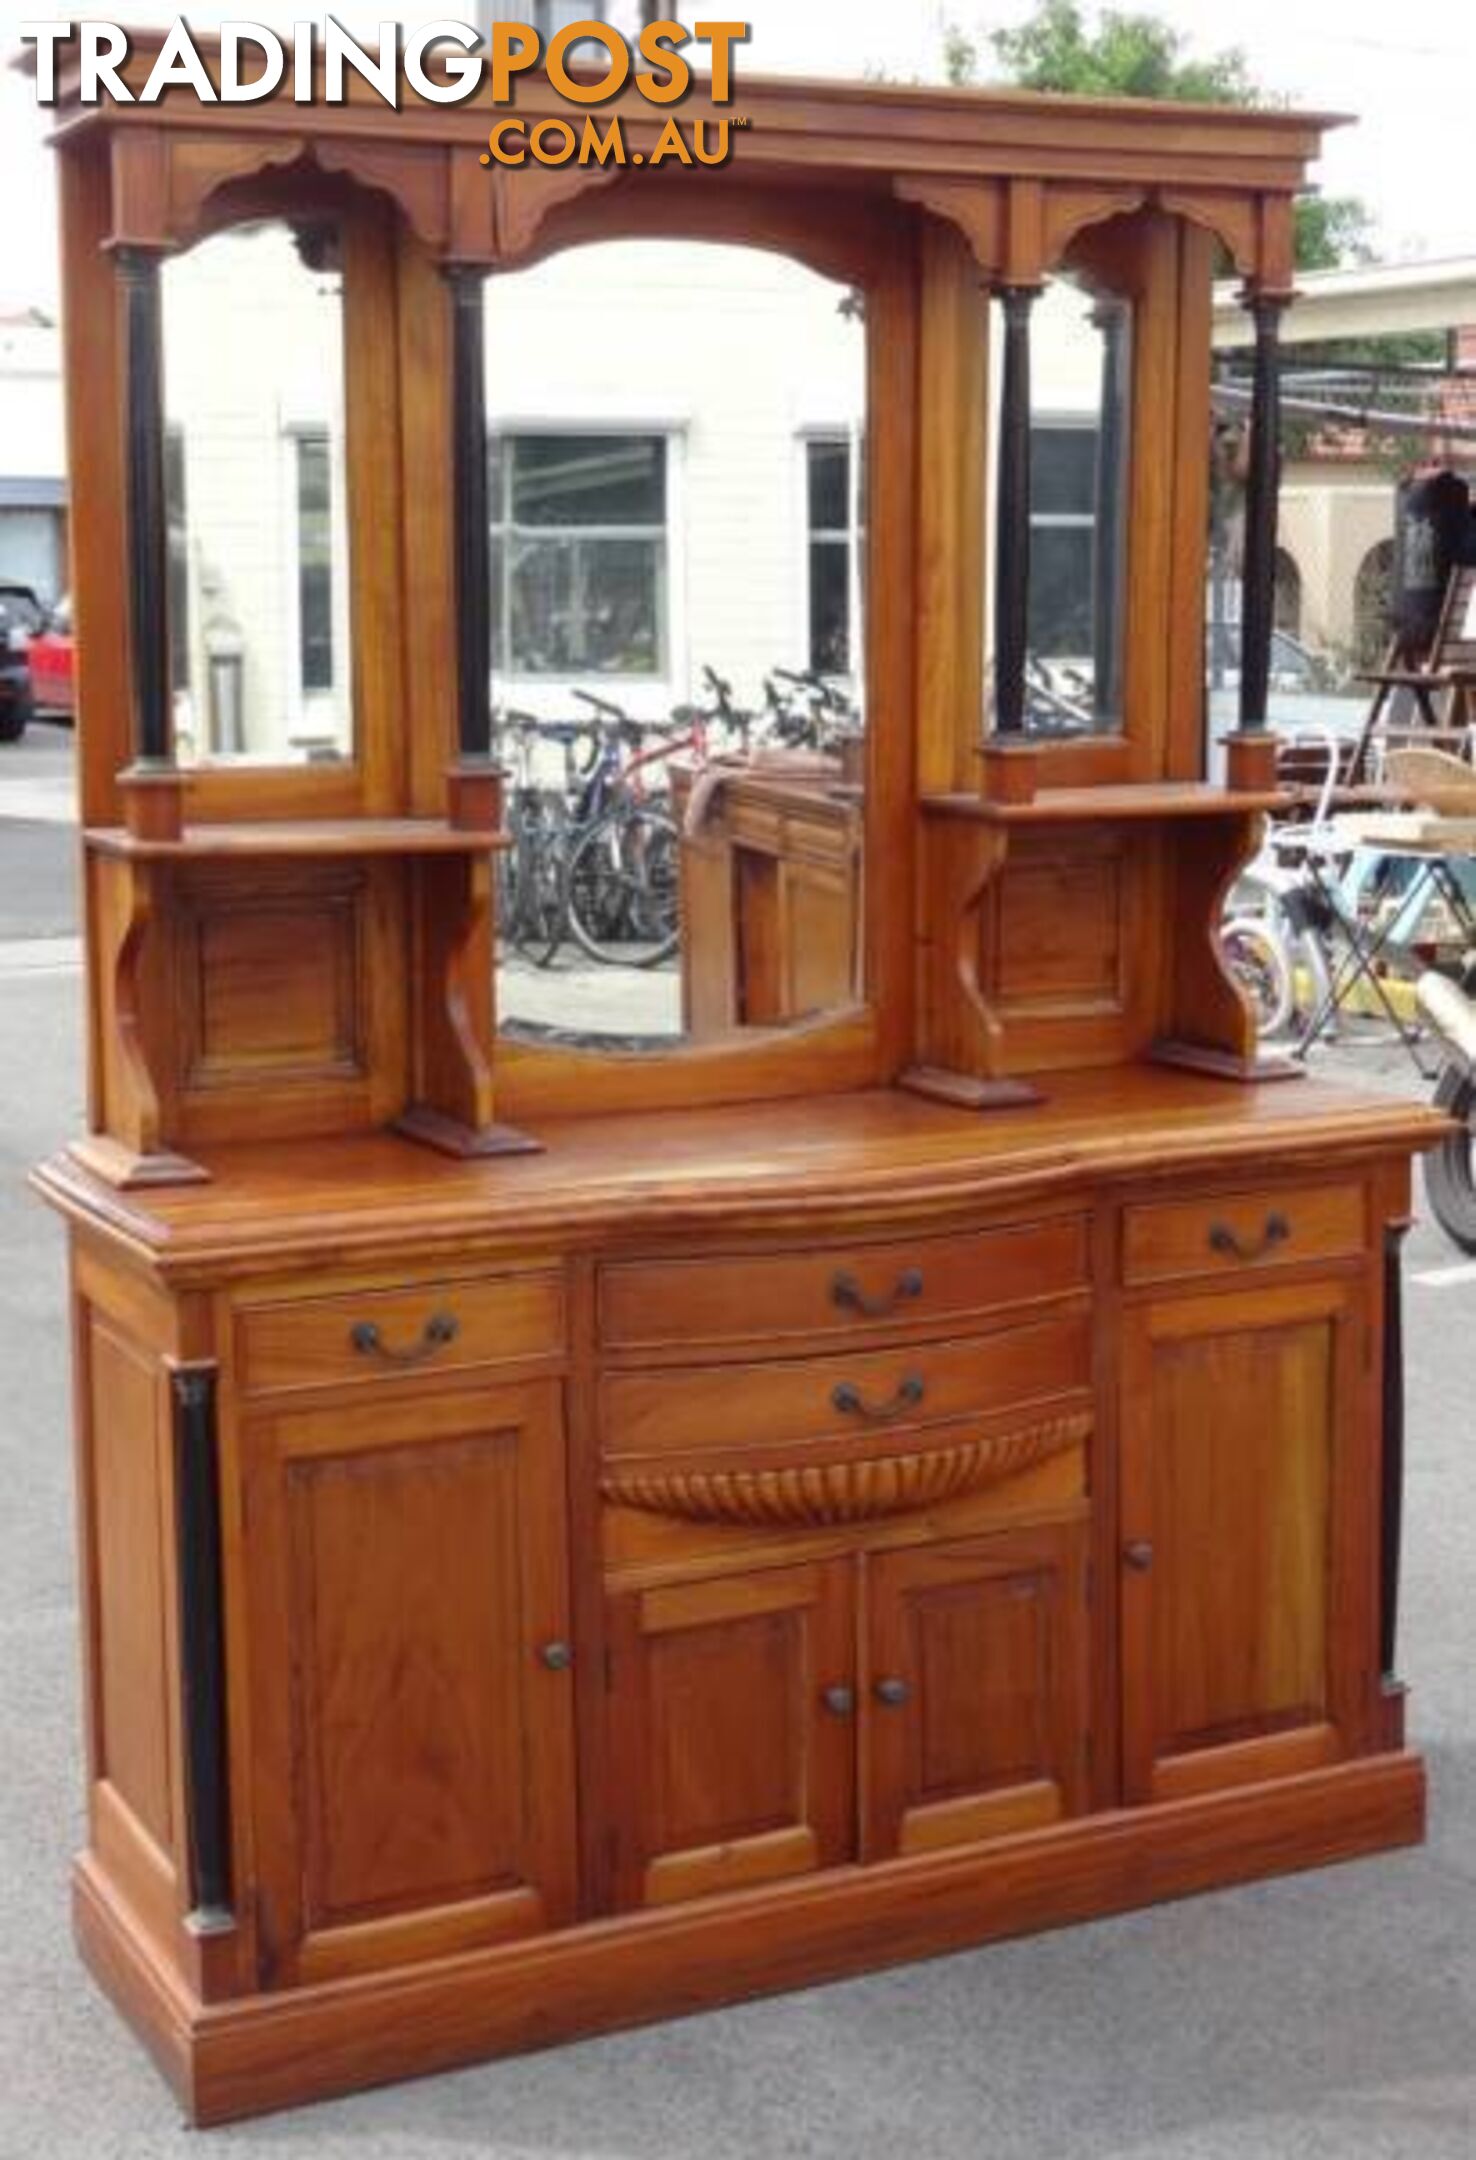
(1405, 71)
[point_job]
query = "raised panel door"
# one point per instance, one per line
(1248, 1613)
(412, 1690)
(732, 1730)
(976, 1718)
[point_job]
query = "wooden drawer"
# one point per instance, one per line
(1242, 1233)
(863, 1395)
(418, 1328)
(840, 1290)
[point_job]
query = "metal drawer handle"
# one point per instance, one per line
(1223, 1239)
(847, 1292)
(892, 1694)
(556, 1656)
(909, 1394)
(839, 1701)
(440, 1329)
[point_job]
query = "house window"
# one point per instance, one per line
(579, 554)
(1063, 464)
(314, 561)
(834, 568)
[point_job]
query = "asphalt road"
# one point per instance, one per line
(1330, 2015)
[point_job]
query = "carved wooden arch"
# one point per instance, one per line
(170, 188)
(844, 241)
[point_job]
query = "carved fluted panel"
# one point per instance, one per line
(844, 1492)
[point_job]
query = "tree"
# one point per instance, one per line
(1125, 56)
(1139, 55)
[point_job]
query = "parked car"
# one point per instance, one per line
(1294, 666)
(21, 616)
(51, 651)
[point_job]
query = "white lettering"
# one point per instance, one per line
(465, 74)
(233, 37)
(178, 62)
(381, 73)
(45, 36)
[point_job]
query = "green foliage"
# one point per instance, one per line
(1124, 56)
(1139, 55)
(1332, 231)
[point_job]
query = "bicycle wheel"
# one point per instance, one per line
(621, 889)
(536, 926)
(1450, 1169)
(1260, 968)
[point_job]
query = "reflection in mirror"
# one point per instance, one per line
(1080, 455)
(675, 492)
(254, 490)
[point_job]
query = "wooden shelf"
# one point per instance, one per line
(307, 838)
(1141, 800)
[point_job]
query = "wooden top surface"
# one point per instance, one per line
(310, 838)
(845, 128)
(874, 1155)
(1135, 800)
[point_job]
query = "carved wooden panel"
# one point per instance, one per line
(275, 986)
(288, 998)
(729, 1766)
(1060, 933)
(847, 1491)
(416, 1746)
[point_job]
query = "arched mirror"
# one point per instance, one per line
(677, 508)
(260, 653)
(1081, 339)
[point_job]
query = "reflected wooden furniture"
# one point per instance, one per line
(771, 901)
(779, 1520)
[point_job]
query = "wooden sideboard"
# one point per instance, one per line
(684, 1578)
(771, 900)
(568, 1536)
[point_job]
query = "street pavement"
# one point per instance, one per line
(1330, 2015)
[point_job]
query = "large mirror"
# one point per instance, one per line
(676, 491)
(1080, 461)
(254, 491)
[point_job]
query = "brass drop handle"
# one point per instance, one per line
(892, 1694)
(847, 1292)
(839, 1701)
(909, 1393)
(1224, 1240)
(557, 1656)
(1138, 1555)
(440, 1329)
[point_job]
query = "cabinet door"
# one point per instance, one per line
(732, 1730)
(976, 1716)
(1248, 1616)
(411, 1699)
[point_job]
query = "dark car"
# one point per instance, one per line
(51, 664)
(21, 616)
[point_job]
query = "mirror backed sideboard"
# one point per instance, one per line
(866, 1424)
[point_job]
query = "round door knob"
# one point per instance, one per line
(1138, 1555)
(839, 1701)
(557, 1656)
(892, 1692)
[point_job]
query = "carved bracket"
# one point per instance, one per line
(817, 1494)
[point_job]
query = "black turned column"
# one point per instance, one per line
(1012, 517)
(202, 1647)
(1111, 318)
(1392, 1468)
(148, 544)
(1258, 593)
(472, 538)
